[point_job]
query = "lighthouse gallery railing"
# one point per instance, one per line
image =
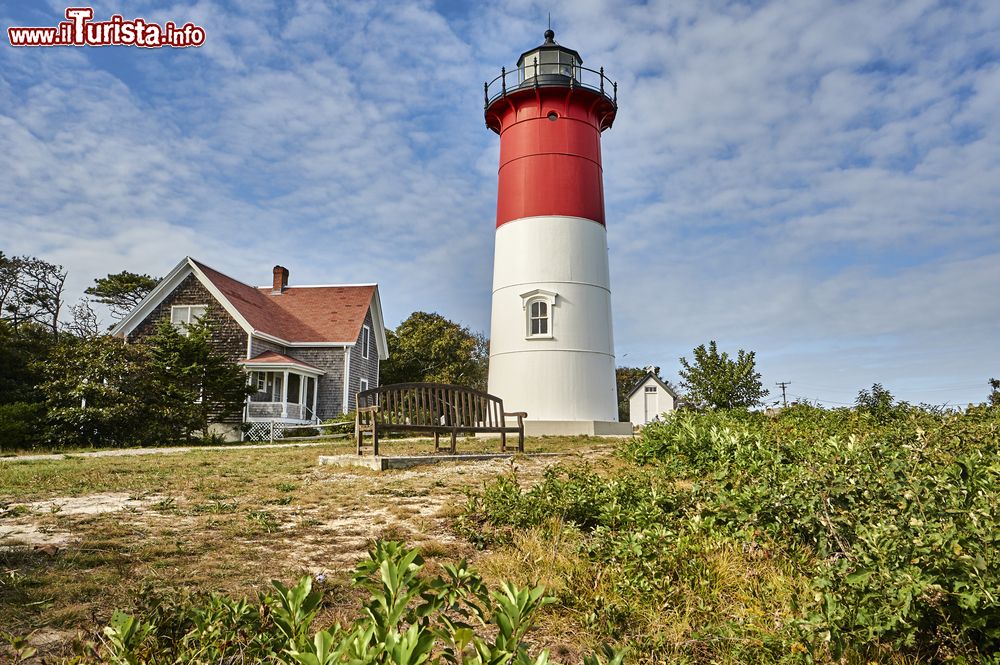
(535, 75)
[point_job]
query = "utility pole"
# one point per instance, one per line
(783, 384)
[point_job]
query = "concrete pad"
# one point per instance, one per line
(384, 463)
(576, 428)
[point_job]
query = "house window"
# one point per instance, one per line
(650, 389)
(538, 319)
(261, 381)
(364, 385)
(182, 316)
(365, 334)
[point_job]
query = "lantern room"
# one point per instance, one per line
(544, 73)
(548, 59)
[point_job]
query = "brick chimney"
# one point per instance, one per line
(280, 280)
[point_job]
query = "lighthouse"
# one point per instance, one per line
(551, 343)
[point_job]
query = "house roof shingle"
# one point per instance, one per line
(331, 314)
(273, 358)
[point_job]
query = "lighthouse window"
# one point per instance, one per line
(538, 319)
(539, 307)
(553, 116)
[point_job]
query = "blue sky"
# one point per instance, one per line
(816, 181)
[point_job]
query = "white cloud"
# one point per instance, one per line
(815, 180)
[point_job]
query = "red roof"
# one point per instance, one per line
(299, 313)
(272, 358)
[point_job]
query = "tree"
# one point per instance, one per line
(626, 378)
(8, 284)
(97, 393)
(877, 400)
(121, 291)
(171, 386)
(21, 408)
(20, 352)
(715, 381)
(31, 291)
(193, 384)
(84, 321)
(429, 347)
(880, 404)
(994, 392)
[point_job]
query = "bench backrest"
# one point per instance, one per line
(438, 404)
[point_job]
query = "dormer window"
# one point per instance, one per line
(538, 306)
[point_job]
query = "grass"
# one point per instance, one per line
(224, 520)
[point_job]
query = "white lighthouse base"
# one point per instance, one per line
(565, 373)
(568, 428)
(576, 428)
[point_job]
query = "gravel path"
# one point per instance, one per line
(130, 452)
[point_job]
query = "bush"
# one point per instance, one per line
(890, 513)
(409, 619)
(21, 425)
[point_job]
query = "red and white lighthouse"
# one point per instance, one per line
(551, 345)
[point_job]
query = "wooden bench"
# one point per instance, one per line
(436, 408)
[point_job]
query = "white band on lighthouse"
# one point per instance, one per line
(567, 375)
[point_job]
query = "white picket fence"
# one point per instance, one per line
(276, 431)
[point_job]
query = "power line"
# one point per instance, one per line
(820, 400)
(825, 401)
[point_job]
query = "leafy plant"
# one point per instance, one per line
(19, 646)
(409, 619)
(124, 637)
(294, 609)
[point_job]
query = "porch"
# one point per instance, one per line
(286, 389)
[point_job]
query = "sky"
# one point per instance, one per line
(816, 181)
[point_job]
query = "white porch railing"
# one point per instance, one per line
(272, 410)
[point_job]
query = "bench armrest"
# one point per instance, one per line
(368, 409)
(520, 415)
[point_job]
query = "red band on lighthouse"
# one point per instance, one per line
(550, 153)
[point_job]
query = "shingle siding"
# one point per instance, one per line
(259, 346)
(227, 335)
(361, 367)
(330, 390)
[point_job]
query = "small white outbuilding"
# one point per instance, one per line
(649, 399)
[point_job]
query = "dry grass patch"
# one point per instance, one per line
(218, 520)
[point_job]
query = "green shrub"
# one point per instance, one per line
(21, 425)
(410, 618)
(890, 512)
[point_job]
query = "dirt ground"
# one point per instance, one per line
(80, 537)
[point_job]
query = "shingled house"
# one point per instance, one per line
(308, 350)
